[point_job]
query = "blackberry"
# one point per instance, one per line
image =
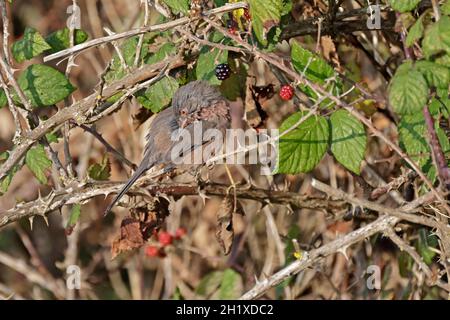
(223, 71)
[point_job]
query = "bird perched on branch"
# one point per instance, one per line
(197, 101)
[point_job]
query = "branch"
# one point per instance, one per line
(79, 110)
(382, 224)
(144, 187)
(134, 32)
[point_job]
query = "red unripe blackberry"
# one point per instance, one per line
(286, 92)
(152, 251)
(165, 238)
(223, 71)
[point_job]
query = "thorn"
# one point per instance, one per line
(30, 220)
(45, 219)
(343, 250)
(203, 196)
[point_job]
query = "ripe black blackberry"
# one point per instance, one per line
(223, 71)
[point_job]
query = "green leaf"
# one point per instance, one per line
(51, 137)
(265, 15)
(408, 92)
(37, 161)
(403, 5)
(412, 133)
(74, 217)
(436, 75)
(301, 149)
(128, 50)
(225, 285)
(231, 285)
(437, 38)
(311, 65)
(164, 51)
(348, 140)
(415, 33)
(159, 95)
(43, 85)
(31, 45)
(59, 40)
(178, 6)
(206, 64)
(6, 181)
(234, 87)
(100, 171)
(424, 243)
(3, 99)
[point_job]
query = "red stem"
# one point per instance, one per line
(441, 162)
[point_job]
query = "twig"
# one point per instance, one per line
(382, 224)
(145, 186)
(279, 63)
(108, 147)
(78, 110)
(417, 258)
(439, 157)
(400, 212)
(127, 34)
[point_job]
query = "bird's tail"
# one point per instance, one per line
(139, 171)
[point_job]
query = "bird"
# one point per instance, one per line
(197, 101)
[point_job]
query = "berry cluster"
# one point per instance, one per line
(286, 92)
(223, 71)
(165, 239)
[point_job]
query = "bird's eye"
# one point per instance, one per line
(183, 112)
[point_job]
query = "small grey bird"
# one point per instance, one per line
(196, 101)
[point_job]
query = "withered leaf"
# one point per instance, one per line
(130, 237)
(224, 227)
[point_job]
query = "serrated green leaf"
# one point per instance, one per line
(74, 216)
(415, 33)
(3, 99)
(43, 85)
(164, 51)
(31, 45)
(311, 65)
(178, 6)
(412, 134)
(59, 40)
(231, 285)
(128, 51)
(265, 15)
(403, 5)
(207, 62)
(159, 95)
(408, 92)
(436, 75)
(100, 171)
(6, 181)
(301, 149)
(348, 140)
(37, 161)
(437, 38)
